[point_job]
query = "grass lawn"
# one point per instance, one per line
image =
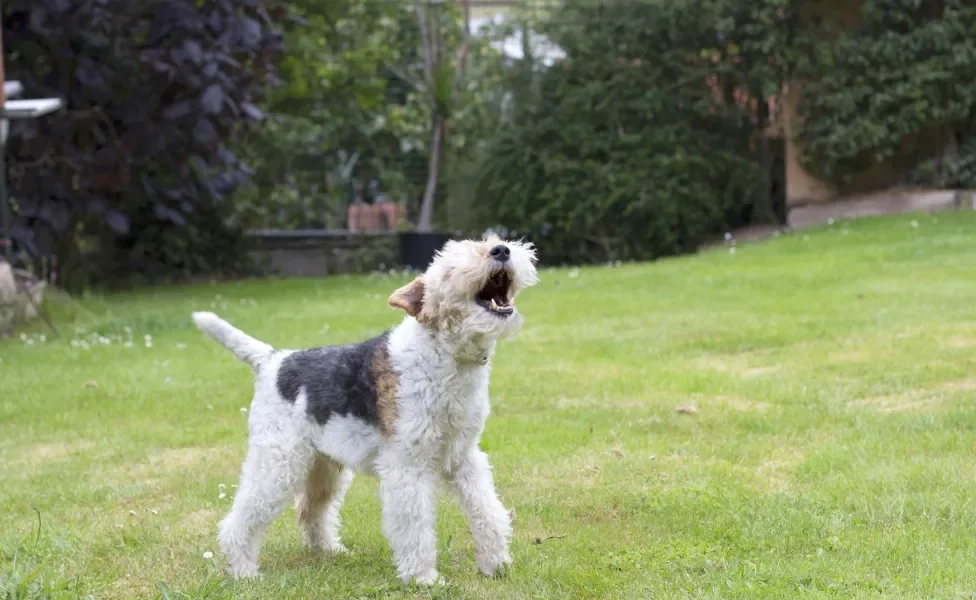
(831, 452)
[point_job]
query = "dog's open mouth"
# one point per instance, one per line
(494, 296)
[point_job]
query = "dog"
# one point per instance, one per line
(408, 406)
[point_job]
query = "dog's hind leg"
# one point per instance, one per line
(270, 477)
(320, 501)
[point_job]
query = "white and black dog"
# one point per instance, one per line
(408, 406)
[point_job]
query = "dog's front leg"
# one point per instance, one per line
(490, 523)
(407, 493)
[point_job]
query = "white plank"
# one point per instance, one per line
(28, 109)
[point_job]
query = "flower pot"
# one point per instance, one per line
(389, 215)
(417, 249)
(353, 218)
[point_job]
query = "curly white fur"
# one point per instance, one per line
(441, 354)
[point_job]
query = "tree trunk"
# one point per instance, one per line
(425, 222)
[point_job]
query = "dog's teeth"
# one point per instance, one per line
(494, 305)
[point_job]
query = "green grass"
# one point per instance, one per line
(832, 454)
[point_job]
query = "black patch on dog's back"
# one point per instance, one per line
(338, 380)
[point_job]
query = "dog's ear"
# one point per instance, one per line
(410, 297)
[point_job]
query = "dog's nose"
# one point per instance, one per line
(500, 252)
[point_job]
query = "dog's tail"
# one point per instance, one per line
(243, 346)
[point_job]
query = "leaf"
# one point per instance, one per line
(178, 110)
(165, 213)
(117, 222)
(193, 51)
(204, 132)
(252, 111)
(212, 99)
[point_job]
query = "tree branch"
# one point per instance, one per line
(425, 43)
(462, 57)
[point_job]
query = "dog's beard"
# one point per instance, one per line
(484, 323)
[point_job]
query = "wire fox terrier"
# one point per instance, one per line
(408, 406)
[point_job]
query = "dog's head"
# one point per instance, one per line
(470, 287)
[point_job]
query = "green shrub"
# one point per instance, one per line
(621, 151)
(895, 89)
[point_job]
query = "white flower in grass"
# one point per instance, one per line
(914, 224)
(43, 338)
(728, 236)
(148, 344)
(243, 410)
(574, 274)
(208, 555)
(830, 221)
(732, 250)
(210, 407)
(180, 346)
(221, 486)
(127, 344)
(221, 496)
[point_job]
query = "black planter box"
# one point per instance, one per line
(417, 249)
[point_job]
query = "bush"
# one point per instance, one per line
(897, 89)
(135, 176)
(621, 150)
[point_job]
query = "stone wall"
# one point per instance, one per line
(317, 253)
(887, 202)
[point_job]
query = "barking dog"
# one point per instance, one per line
(408, 406)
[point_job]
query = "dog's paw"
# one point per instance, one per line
(337, 548)
(246, 573)
(493, 565)
(429, 578)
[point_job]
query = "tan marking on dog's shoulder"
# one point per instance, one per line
(387, 386)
